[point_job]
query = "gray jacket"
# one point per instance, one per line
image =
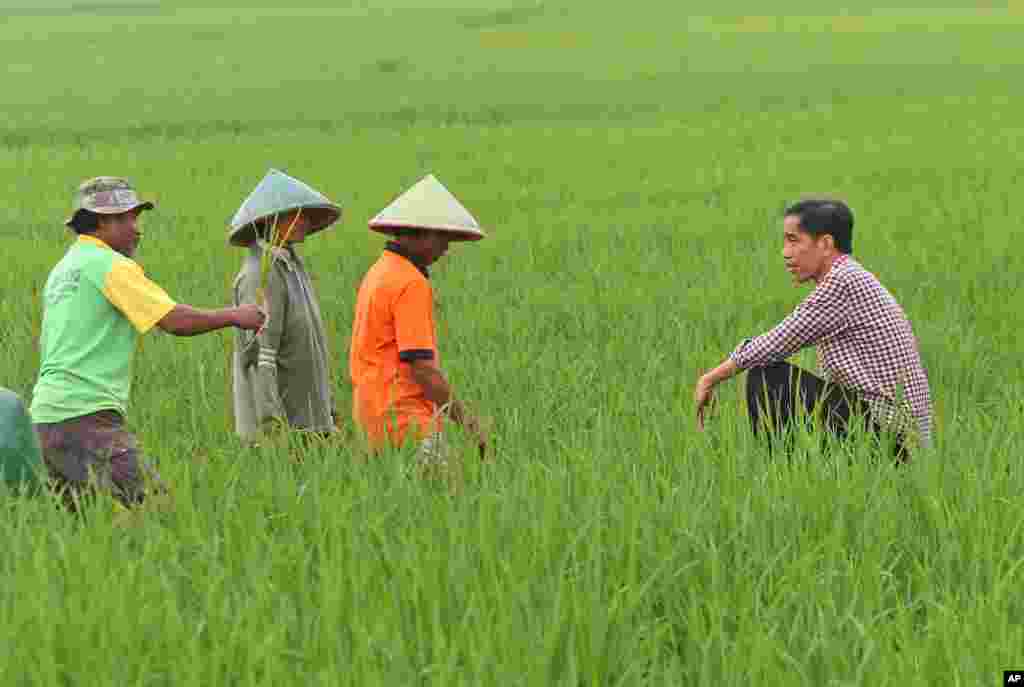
(283, 371)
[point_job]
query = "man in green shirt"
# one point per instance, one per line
(97, 300)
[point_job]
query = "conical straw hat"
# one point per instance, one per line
(276, 194)
(428, 205)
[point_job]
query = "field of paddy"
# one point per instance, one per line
(630, 163)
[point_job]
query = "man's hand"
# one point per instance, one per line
(702, 395)
(479, 429)
(435, 388)
(250, 316)
(703, 398)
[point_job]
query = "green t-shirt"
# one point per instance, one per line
(95, 303)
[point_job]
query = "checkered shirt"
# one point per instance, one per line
(864, 343)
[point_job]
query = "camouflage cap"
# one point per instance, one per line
(106, 196)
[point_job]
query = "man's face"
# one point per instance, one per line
(299, 227)
(807, 257)
(431, 246)
(120, 232)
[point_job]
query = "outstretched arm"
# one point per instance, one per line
(147, 305)
(821, 314)
(184, 320)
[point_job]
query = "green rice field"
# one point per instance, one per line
(630, 163)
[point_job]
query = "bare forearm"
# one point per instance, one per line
(437, 390)
(185, 320)
(432, 381)
(702, 395)
(724, 371)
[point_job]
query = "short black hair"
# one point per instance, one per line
(820, 216)
(85, 222)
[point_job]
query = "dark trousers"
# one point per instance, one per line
(780, 395)
(95, 450)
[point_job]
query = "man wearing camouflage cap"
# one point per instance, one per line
(97, 300)
(282, 376)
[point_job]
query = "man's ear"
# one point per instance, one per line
(828, 242)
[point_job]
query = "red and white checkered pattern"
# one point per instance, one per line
(865, 344)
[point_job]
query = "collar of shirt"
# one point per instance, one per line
(88, 238)
(397, 248)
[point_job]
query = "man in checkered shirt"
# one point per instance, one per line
(866, 347)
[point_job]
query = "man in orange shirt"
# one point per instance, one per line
(399, 390)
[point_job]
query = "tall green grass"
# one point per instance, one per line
(630, 165)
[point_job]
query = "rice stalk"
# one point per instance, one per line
(277, 241)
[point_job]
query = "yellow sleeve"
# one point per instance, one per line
(140, 300)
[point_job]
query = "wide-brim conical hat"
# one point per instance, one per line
(277, 194)
(428, 205)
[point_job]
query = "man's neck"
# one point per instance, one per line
(102, 239)
(829, 264)
(402, 249)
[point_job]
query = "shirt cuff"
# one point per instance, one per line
(738, 357)
(267, 357)
(416, 354)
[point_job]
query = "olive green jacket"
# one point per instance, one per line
(283, 371)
